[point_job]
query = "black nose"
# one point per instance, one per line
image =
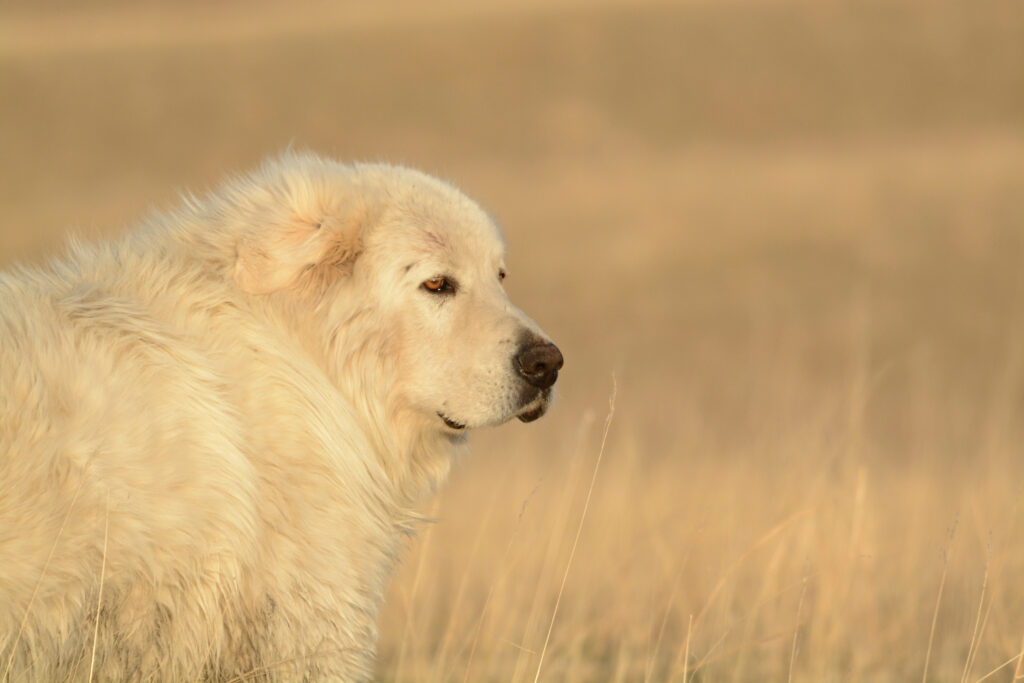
(538, 362)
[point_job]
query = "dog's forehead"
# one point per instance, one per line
(447, 241)
(434, 219)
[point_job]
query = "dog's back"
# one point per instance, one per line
(159, 484)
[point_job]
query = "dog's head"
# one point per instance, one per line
(396, 255)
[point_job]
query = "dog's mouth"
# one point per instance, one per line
(450, 423)
(531, 409)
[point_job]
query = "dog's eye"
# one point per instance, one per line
(501, 276)
(439, 285)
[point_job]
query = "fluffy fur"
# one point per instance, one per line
(213, 431)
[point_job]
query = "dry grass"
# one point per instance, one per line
(794, 231)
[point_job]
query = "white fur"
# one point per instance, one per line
(229, 413)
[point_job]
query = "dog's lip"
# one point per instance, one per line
(532, 414)
(535, 408)
(450, 423)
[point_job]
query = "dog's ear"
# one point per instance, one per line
(298, 251)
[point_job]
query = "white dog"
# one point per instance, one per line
(213, 431)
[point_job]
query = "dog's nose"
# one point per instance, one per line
(538, 363)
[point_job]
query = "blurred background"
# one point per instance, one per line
(786, 235)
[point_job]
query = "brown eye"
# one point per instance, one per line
(438, 285)
(501, 276)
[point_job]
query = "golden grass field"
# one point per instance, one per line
(791, 235)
